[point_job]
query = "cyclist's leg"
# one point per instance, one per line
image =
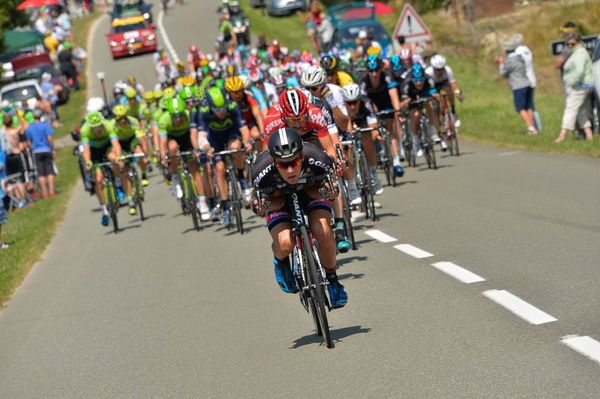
(172, 148)
(371, 155)
(279, 223)
(319, 221)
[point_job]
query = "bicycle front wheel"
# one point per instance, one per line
(317, 290)
(236, 200)
(347, 214)
(112, 204)
(189, 194)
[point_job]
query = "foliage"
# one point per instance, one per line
(10, 18)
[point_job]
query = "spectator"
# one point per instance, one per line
(67, 65)
(578, 81)
(312, 21)
(13, 150)
(41, 22)
(3, 217)
(39, 134)
(513, 67)
(50, 91)
(525, 52)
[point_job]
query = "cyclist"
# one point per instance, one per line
(176, 135)
(194, 56)
(287, 160)
(331, 66)
(382, 90)
(443, 78)
(419, 87)
(99, 144)
(248, 106)
(221, 126)
(131, 139)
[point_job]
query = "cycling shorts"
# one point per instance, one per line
(99, 154)
(128, 145)
(184, 142)
(284, 215)
(219, 141)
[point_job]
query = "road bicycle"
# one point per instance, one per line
(137, 190)
(448, 121)
(425, 138)
(364, 181)
(236, 199)
(347, 208)
(306, 266)
(189, 198)
(109, 192)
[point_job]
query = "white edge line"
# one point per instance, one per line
(413, 251)
(587, 346)
(504, 154)
(460, 273)
(519, 307)
(163, 33)
(380, 236)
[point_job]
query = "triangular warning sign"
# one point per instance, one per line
(411, 26)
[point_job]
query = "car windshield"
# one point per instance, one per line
(128, 28)
(350, 33)
(34, 73)
(17, 94)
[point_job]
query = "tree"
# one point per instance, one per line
(10, 18)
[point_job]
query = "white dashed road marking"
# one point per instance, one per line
(504, 154)
(519, 307)
(413, 251)
(587, 346)
(380, 236)
(459, 273)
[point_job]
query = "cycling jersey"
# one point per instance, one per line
(326, 110)
(315, 124)
(379, 94)
(410, 91)
(333, 95)
(129, 131)
(344, 78)
(245, 105)
(96, 137)
(366, 114)
(446, 76)
(206, 121)
(259, 97)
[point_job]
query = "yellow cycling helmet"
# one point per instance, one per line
(203, 63)
(374, 50)
(233, 84)
(180, 64)
(130, 92)
(120, 111)
(188, 81)
(157, 94)
(169, 92)
(149, 96)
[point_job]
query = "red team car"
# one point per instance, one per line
(132, 35)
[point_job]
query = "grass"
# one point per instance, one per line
(29, 231)
(487, 115)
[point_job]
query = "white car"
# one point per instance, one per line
(28, 90)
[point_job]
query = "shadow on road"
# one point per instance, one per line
(156, 215)
(351, 276)
(403, 182)
(350, 259)
(122, 229)
(337, 335)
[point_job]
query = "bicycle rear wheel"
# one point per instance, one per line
(139, 196)
(388, 166)
(112, 204)
(347, 214)
(236, 201)
(369, 187)
(317, 290)
(190, 199)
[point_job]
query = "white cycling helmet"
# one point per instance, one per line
(351, 92)
(95, 104)
(246, 81)
(438, 61)
(313, 77)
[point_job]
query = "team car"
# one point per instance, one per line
(132, 35)
(129, 8)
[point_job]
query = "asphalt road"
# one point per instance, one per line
(162, 311)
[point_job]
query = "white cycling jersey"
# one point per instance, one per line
(440, 77)
(335, 99)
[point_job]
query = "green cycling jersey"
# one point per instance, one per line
(97, 136)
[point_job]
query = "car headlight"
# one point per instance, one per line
(151, 37)
(112, 43)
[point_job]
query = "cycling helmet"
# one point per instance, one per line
(169, 92)
(120, 111)
(95, 104)
(328, 63)
(188, 81)
(149, 96)
(230, 70)
(175, 106)
(438, 61)
(130, 92)
(374, 63)
(233, 84)
(351, 92)
(215, 98)
(157, 94)
(313, 77)
(418, 74)
(406, 55)
(278, 81)
(164, 103)
(131, 80)
(374, 50)
(255, 76)
(193, 49)
(246, 81)
(94, 119)
(395, 63)
(285, 143)
(293, 103)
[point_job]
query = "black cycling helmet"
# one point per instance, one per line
(329, 63)
(285, 143)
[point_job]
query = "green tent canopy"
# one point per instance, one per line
(15, 40)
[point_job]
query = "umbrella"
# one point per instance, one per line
(37, 4)
(366, 11)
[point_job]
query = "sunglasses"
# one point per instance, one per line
(284, 165)
(297, 119)
(374, 71)
(571, 44)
